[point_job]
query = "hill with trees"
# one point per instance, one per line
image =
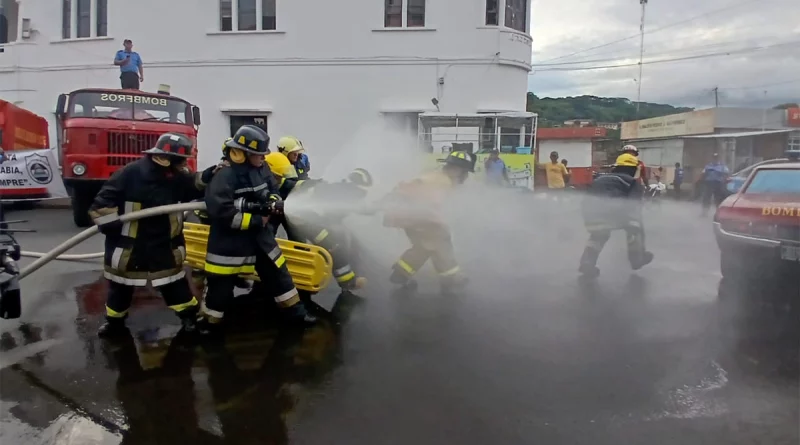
(554, 111)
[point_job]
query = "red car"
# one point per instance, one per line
(758, 228)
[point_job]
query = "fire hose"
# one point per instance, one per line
(55, 254)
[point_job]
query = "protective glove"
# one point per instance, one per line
(276, 207)
(10, 305)
(110, 228)
(275, 198)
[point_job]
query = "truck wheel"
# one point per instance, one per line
(80, 209)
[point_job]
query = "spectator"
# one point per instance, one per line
(496, 171)
(678, 180)
(569, 175)
(130, 66)
(714, 176)
(556, 172)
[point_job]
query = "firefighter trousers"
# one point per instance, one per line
(431, 242)
(599, 237)
(177, 295)
(272, 272)
(333, 239)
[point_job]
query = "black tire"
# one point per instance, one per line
(80, 209)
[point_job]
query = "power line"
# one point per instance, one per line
(762, 86)
(669, 54)
(671, 25)
(677, 59)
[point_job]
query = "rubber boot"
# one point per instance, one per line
(188, 320)
(113, 327)
(588, 267)
(646, 258)
(208, 327)
(298, 315)
(454, 284)
(354, 284)
(400, 277)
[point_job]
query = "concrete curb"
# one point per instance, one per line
(62, 203)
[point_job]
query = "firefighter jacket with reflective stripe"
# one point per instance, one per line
(236, 234)
(418, 201)
(613, 201)
(148, 248)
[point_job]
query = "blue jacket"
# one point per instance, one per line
(715, 171)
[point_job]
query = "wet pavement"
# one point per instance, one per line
(528, 354)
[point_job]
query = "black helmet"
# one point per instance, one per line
(461, 159)
(172, 144)
(251, 139)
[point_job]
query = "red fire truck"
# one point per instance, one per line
(21, 129)
(101, 130)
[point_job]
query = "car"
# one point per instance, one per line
(758, 228)
(736, 180)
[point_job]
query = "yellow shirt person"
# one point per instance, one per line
(556, 172)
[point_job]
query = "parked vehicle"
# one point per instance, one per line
(102, 130)
(758, 227)
(22, 130)
(736, 180)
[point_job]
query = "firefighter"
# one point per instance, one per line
(414, 210)
(151, 249)
(323, 228)
(614, 202)
(239, 201)
(293, 149)
(641, 174)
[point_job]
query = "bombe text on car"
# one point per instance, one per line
(780, 211)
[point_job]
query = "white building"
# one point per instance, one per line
(317, 69)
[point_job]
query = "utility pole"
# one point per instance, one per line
(716, 97)
(641, 56)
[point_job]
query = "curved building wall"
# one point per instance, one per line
(325, 71)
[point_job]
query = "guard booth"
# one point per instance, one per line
(512, 133)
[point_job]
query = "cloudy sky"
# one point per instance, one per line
(572, 34)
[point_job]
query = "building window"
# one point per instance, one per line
(102, 18)
(268, 14)
(81, 19)
(225, 15)
(517, 15)
(413, 15)
(491, 13)
(259, 121)
(794, 141)
(247, 15)
(84, 18)
(393, 17)
(416, 13)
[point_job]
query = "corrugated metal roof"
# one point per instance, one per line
(738, 135)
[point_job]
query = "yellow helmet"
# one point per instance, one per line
(360, 177)
(289, 144)
(626, 160)
(279, 165)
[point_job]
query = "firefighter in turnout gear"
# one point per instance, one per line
(413, 208)
(293, 149)
(240, 200)
(323, 228)
(614, 202)
(151, 249)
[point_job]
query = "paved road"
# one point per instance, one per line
(667, 355)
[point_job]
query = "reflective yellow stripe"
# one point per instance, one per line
(229, 270)
(279, 262)
(452, 271)
(346, 277)
(405, 266)
(114, 314)
(246, 217)
(184, 306)
(321, 236)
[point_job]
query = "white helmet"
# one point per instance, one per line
(630, 149)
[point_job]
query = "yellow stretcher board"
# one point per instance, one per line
(310, 266)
